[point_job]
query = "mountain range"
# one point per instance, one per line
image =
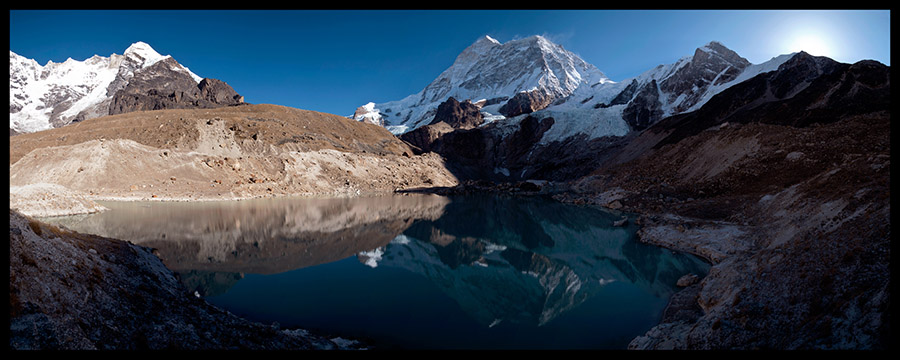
(535, 76)
(777, 174)
(57, 94)
(533, 108)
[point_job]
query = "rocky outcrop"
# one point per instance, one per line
(158, 87)
(526, 102)
(424, 137)
(489, 152)
(218, 92)
(805, 90)
(459, 115)
(713, 64)
(72, 291)
(451, 115)
(678, 88)
(645, 109)
(781, 182)
(140, 79)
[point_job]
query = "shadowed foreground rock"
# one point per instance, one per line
(74, 291)
(782, 183)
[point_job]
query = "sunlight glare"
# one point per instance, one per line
(812, 44)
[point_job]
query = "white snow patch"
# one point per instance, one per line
(372, 257)
(400, 239)
(490, 247)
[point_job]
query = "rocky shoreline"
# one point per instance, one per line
(794, 220)
(789, 271)
(71, 291)
(728, 309)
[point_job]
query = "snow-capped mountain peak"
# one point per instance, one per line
(494, 72)
(142, 54)
(42, 97)
(535, 76)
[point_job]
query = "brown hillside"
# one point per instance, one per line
(284, 127)
(208, 154)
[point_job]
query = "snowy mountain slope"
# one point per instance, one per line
(490, 73)
(584, 100)
(614, 109)
(53, 95)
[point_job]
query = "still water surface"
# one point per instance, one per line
(413, 271)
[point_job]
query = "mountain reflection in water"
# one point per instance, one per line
(212, 244)
(506, 264)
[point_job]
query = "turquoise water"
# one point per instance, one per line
(414, 271)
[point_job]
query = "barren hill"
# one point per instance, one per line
(226, 153)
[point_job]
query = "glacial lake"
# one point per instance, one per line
(413, 271)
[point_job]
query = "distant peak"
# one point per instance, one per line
(140, 47)
(144, 54)
(480, 46)
(534, 39)
(715, 46)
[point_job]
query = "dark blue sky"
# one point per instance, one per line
(336, 60)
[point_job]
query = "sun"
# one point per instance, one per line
(813, 44)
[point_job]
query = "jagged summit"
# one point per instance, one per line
(144, 52)
(535, 76)
(493, 73)
(141, 46)
(488, 39)
(57, 94)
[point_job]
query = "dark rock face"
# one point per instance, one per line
(526, 102)
(624, 97)
(711, 65)
(424, 136)
(492, 153)
(645, 109)
(483, 152)
(797, 159)
(218, 92)
(805, 90)
(451, 115)
(515, 149)
(159, 87)
(72, 291)
(459, 115)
